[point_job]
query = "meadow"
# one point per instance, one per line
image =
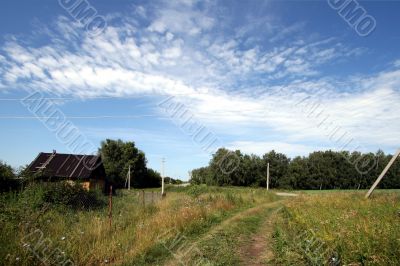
(139, 235)
(200, 225)
(339, 227)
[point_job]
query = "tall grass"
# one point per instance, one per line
(86, 237)
(347, 227)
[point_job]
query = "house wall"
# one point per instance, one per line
(97, 184)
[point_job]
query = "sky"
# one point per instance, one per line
(293, 76)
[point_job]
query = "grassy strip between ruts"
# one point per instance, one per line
(178, 246)
(221, 245)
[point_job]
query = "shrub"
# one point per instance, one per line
(63, 194)
(197, 190)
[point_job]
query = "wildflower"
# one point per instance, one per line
(334, 260)
(105, 261)
(63, 238)
(17, 258)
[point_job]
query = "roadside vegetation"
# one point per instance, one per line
(138, 235)
(200, 224)
(341, 228)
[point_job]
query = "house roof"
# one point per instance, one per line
(65, 165)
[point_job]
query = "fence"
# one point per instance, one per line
(148, 197)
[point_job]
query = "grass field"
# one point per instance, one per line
(207, 226)
(139, 235)
(340, 226)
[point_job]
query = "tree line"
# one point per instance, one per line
(319, 170)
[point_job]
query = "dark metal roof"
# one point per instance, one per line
(65, 165)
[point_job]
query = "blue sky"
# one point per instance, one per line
(253, 74)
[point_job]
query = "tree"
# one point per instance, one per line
(392, 179)
(278, 165)
(297, 175)
(319, 170)
(6, 171)
(117, 156)
(201, 175)
(224, 167)
(152, 179)
(7, 177)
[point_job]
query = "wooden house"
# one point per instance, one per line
(87, 170)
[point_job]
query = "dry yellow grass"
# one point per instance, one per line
(87, 239)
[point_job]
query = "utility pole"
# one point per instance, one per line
(162, 176)
(267, 176)
(129, 177)
(382, 174)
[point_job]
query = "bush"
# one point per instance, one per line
(63, 194)
(197, 190)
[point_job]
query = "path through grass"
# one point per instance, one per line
(239, 240)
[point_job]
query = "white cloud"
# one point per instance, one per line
(247, 86)
(181, 19)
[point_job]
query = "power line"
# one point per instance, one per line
(98, 97)
(82, 117)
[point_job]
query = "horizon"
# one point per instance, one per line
(182, 78)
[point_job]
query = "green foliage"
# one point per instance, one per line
(134, 238)
(152, 178)
(197, 190)
(320, 227)
(6, 171)
(62, 194)
(170, 180)
(118, 155)
(319, 170)
(7, 178)
(74, 196)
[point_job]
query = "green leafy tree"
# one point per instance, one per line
(7, 177)
(6, 171)
(201, 175)
(224, 167)
(319, 170)
(298, 173)
(152, 179)
(278, 165)
(118, 155)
